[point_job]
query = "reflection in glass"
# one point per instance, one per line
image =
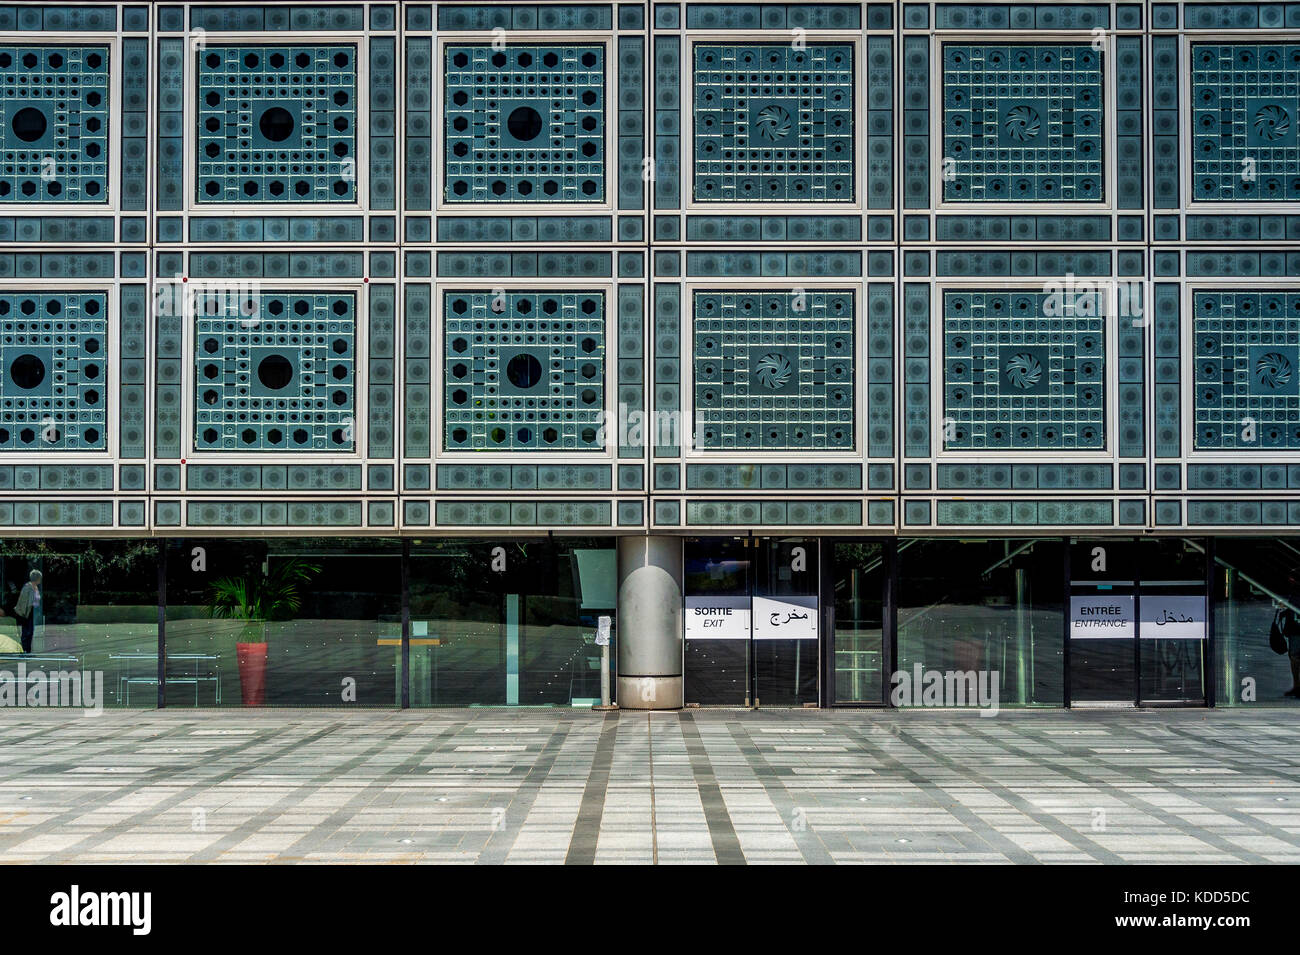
(985, 605)
(785, 670)
(283, 622)
(717, 670)
(521, 635)
(1172, 669)
(1252, 581)
(96, 612)
(858, 640)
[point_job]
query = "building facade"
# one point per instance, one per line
(366, 353)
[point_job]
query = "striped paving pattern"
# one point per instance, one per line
(703, 786)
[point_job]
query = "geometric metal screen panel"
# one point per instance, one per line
(1245, 121)
(524, 370)
(773, 123)
(774, 370)
(1024, 370)
(524, 124)
(1247, 354)
(53, 371)
(54, 105)
(1022, 123)
(274, 371)
(277, 124)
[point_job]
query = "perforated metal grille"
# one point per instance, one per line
(53, 371)
(1245, 121)
(54, 106)
(277, 124)
(774, 123)
(274, 371)
(524, 370)
(1024, 370)
(1247, 353)
(1022, 123)
(525, 123)
(774, 370)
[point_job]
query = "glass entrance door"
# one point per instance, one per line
(1171, 621)
(718, 580)
(752, 621)
(785, 623)
(1137, 621)
(1103, 629)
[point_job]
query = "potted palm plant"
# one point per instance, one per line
(255, 599)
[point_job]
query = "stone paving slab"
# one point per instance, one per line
(484, 786)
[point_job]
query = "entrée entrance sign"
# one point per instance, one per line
(1101, 618)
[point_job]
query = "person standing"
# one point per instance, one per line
(29, 601)
(1287, 623)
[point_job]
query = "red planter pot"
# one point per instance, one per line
(252, 672)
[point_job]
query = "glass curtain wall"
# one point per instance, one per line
(284, 622)
(984, 607)
(1253, 580)
(858, 641)
(91, 607)
(509, 624)
(526, 635)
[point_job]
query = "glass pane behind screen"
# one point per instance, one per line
(340, 646)
(858, 642)
(981, 605)
(98, 615)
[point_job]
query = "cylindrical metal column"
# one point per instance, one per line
(650, 623)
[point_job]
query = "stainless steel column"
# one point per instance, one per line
(650, 623)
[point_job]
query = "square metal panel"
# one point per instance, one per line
(54, 106)
(1023, 122)
(1245, 109)
(53, 371)
(274, 371)
(524, 370)
(774, 370)
(277, 124)
(1024, 370)
(1246, 346)
(773, 123)
(524, 124)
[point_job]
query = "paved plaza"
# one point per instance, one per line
(700, 786)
